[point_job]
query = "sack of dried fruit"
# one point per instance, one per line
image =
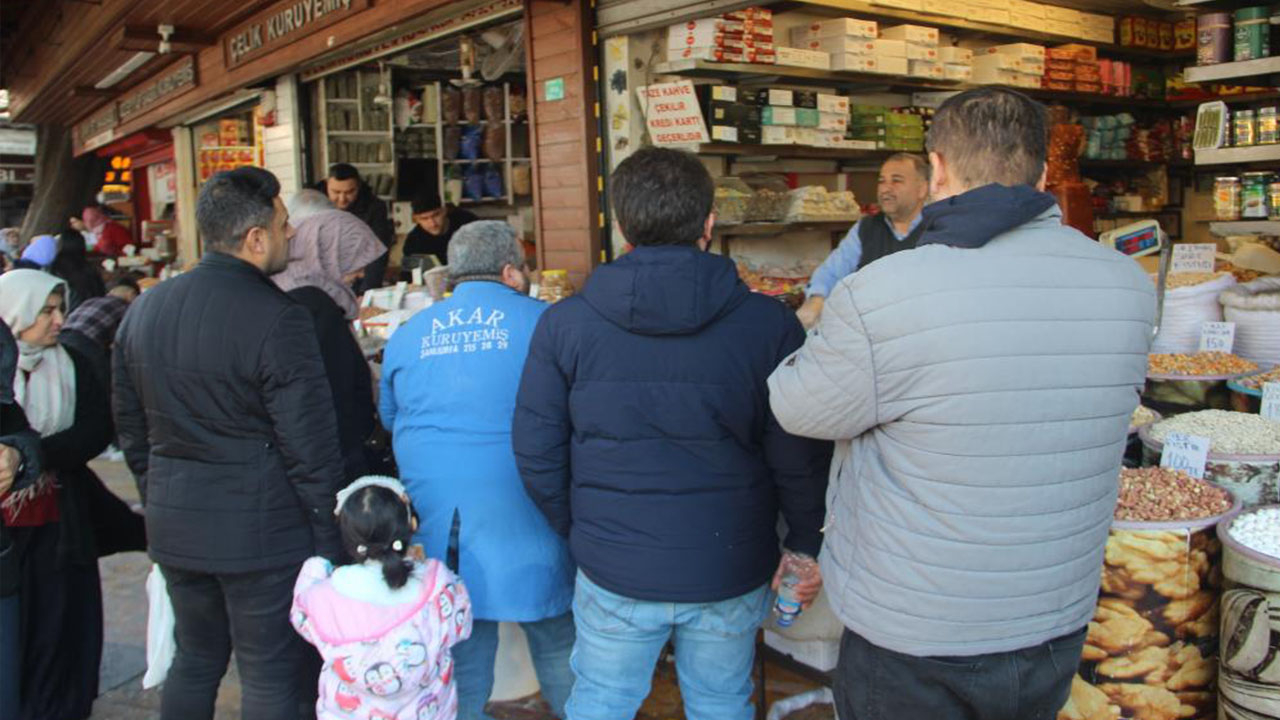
(1152, 646)
(1249, 672)
(1255, 309)
(1186, 309)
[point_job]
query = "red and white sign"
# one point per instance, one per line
(672, 114)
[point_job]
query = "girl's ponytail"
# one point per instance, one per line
(395, 567)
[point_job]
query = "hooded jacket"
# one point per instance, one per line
(643, 431)
(979, 390)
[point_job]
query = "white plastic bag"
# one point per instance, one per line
(161, 644)
(1255, 309)
(1186, 310)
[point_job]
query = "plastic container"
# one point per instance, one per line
(732, 199)
(1252, 33)
(796, 567)
(1253, 195)
(1213, 39)
(1245, 128)
(1268, 126)
(1252, 479)
(1249, 668)
(1226, 198)
(1153, 642)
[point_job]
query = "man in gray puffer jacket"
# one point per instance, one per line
(979, 388)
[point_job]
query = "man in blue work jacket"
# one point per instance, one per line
(449, 381)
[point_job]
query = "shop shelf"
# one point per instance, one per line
(780, 228)
(332, 101)
(1252, 97)
(980, 30)
(1245, 227)
(1238, 155)
(1233, 70)
(805, 152)
(358, 133)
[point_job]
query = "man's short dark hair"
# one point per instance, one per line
(126, 280)
(427, 201)
(991, 135)
(919, 163)
(232, 203)
(661, 197)
(344, 171)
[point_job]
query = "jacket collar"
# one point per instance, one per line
(223, 262)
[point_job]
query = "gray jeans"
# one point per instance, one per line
(873, 683)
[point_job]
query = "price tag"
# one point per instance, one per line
(1217, 337)
(1271, 401)
(1187, 453)
(417, 276)
(1193, 258)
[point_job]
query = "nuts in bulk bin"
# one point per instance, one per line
(1151, 648)
(1244, 450)
(1249, 665)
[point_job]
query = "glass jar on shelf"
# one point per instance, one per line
(1226, 198)
(1246, 128)
(1253, 195)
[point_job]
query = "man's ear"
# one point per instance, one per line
(255, 241)
(938, 174)
(1043, 182)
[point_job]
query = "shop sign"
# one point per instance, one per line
(17, 174)
(672, 113)
(172, 83)
(435, 27)
(283, 23)
(98, 130)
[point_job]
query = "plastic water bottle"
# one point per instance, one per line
(795, 566)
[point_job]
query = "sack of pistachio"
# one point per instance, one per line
(1152, 646)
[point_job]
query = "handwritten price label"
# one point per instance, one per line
(1193, 258)
(1187, 453)
(1271, 401)
(1217, 337)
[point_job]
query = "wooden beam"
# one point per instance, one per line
(145, 38)
(82, 91)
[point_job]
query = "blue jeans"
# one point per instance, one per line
(619, 640)
(550, 642)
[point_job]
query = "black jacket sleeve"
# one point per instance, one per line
(799, 465)
(91, 431)
(298, 399)
(542, 428)
(130, 417)
(15, 433)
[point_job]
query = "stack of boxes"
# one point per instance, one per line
(1021, 14)
(1016, 64)
(801, 117)
(1073, 68)
(744, 36)
(731, 115)
(849, 44)
(957, 63)
(875, 127)
(919, 45)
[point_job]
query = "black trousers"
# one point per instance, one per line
(247, 611)
(873, 683)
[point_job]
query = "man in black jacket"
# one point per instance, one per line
(347, 191)
(643, 432)
(226, 420)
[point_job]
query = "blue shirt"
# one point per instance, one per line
(844, 260)
(449, 382)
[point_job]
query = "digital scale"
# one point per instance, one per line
(1144, 238)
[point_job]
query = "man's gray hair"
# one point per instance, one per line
(306, 203)
(919, 163)
(991, 135)
(481, 249)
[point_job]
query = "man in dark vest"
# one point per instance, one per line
(902, 190)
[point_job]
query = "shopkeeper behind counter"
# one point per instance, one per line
(435, 223)
(901, 191)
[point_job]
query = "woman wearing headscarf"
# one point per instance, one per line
(39, 253)
(73, 266)
(63, 521)
(104, 235)
(329, 251)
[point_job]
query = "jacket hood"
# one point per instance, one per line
(972, 219)
(665, 290)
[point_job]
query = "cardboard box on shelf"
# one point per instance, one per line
(776, 96)
(925, 69)
(1026, 8)
(833, 121)
(983, 75)
(1063, 14)
(751, 13)
(833, 103)
(778, 135)
(1072, 51)
(891, 65)
(985, 63)
(838, 27)
(915, 34)
(842, 44)
(805, 99)
(724, 133)
(928, 53)
(807, 117)
(678, 40)
(856, 63)
(1019, 50)
(1063, 29)
(962, 72)
(954, 8)
(777, 115)
(890, 48)
(800, 57)
(721, 54)
(955, 55)
(917, 5)
(991, 16)
(750, 135)
(722, 93)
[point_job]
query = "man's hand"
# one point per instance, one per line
(10, 459)
(810, 311)
(807, 589)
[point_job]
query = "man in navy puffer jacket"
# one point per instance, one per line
(643, 432)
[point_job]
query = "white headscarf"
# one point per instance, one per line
(45, 384)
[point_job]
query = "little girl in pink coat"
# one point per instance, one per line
(384, 624)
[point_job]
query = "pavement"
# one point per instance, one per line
(124, 659)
